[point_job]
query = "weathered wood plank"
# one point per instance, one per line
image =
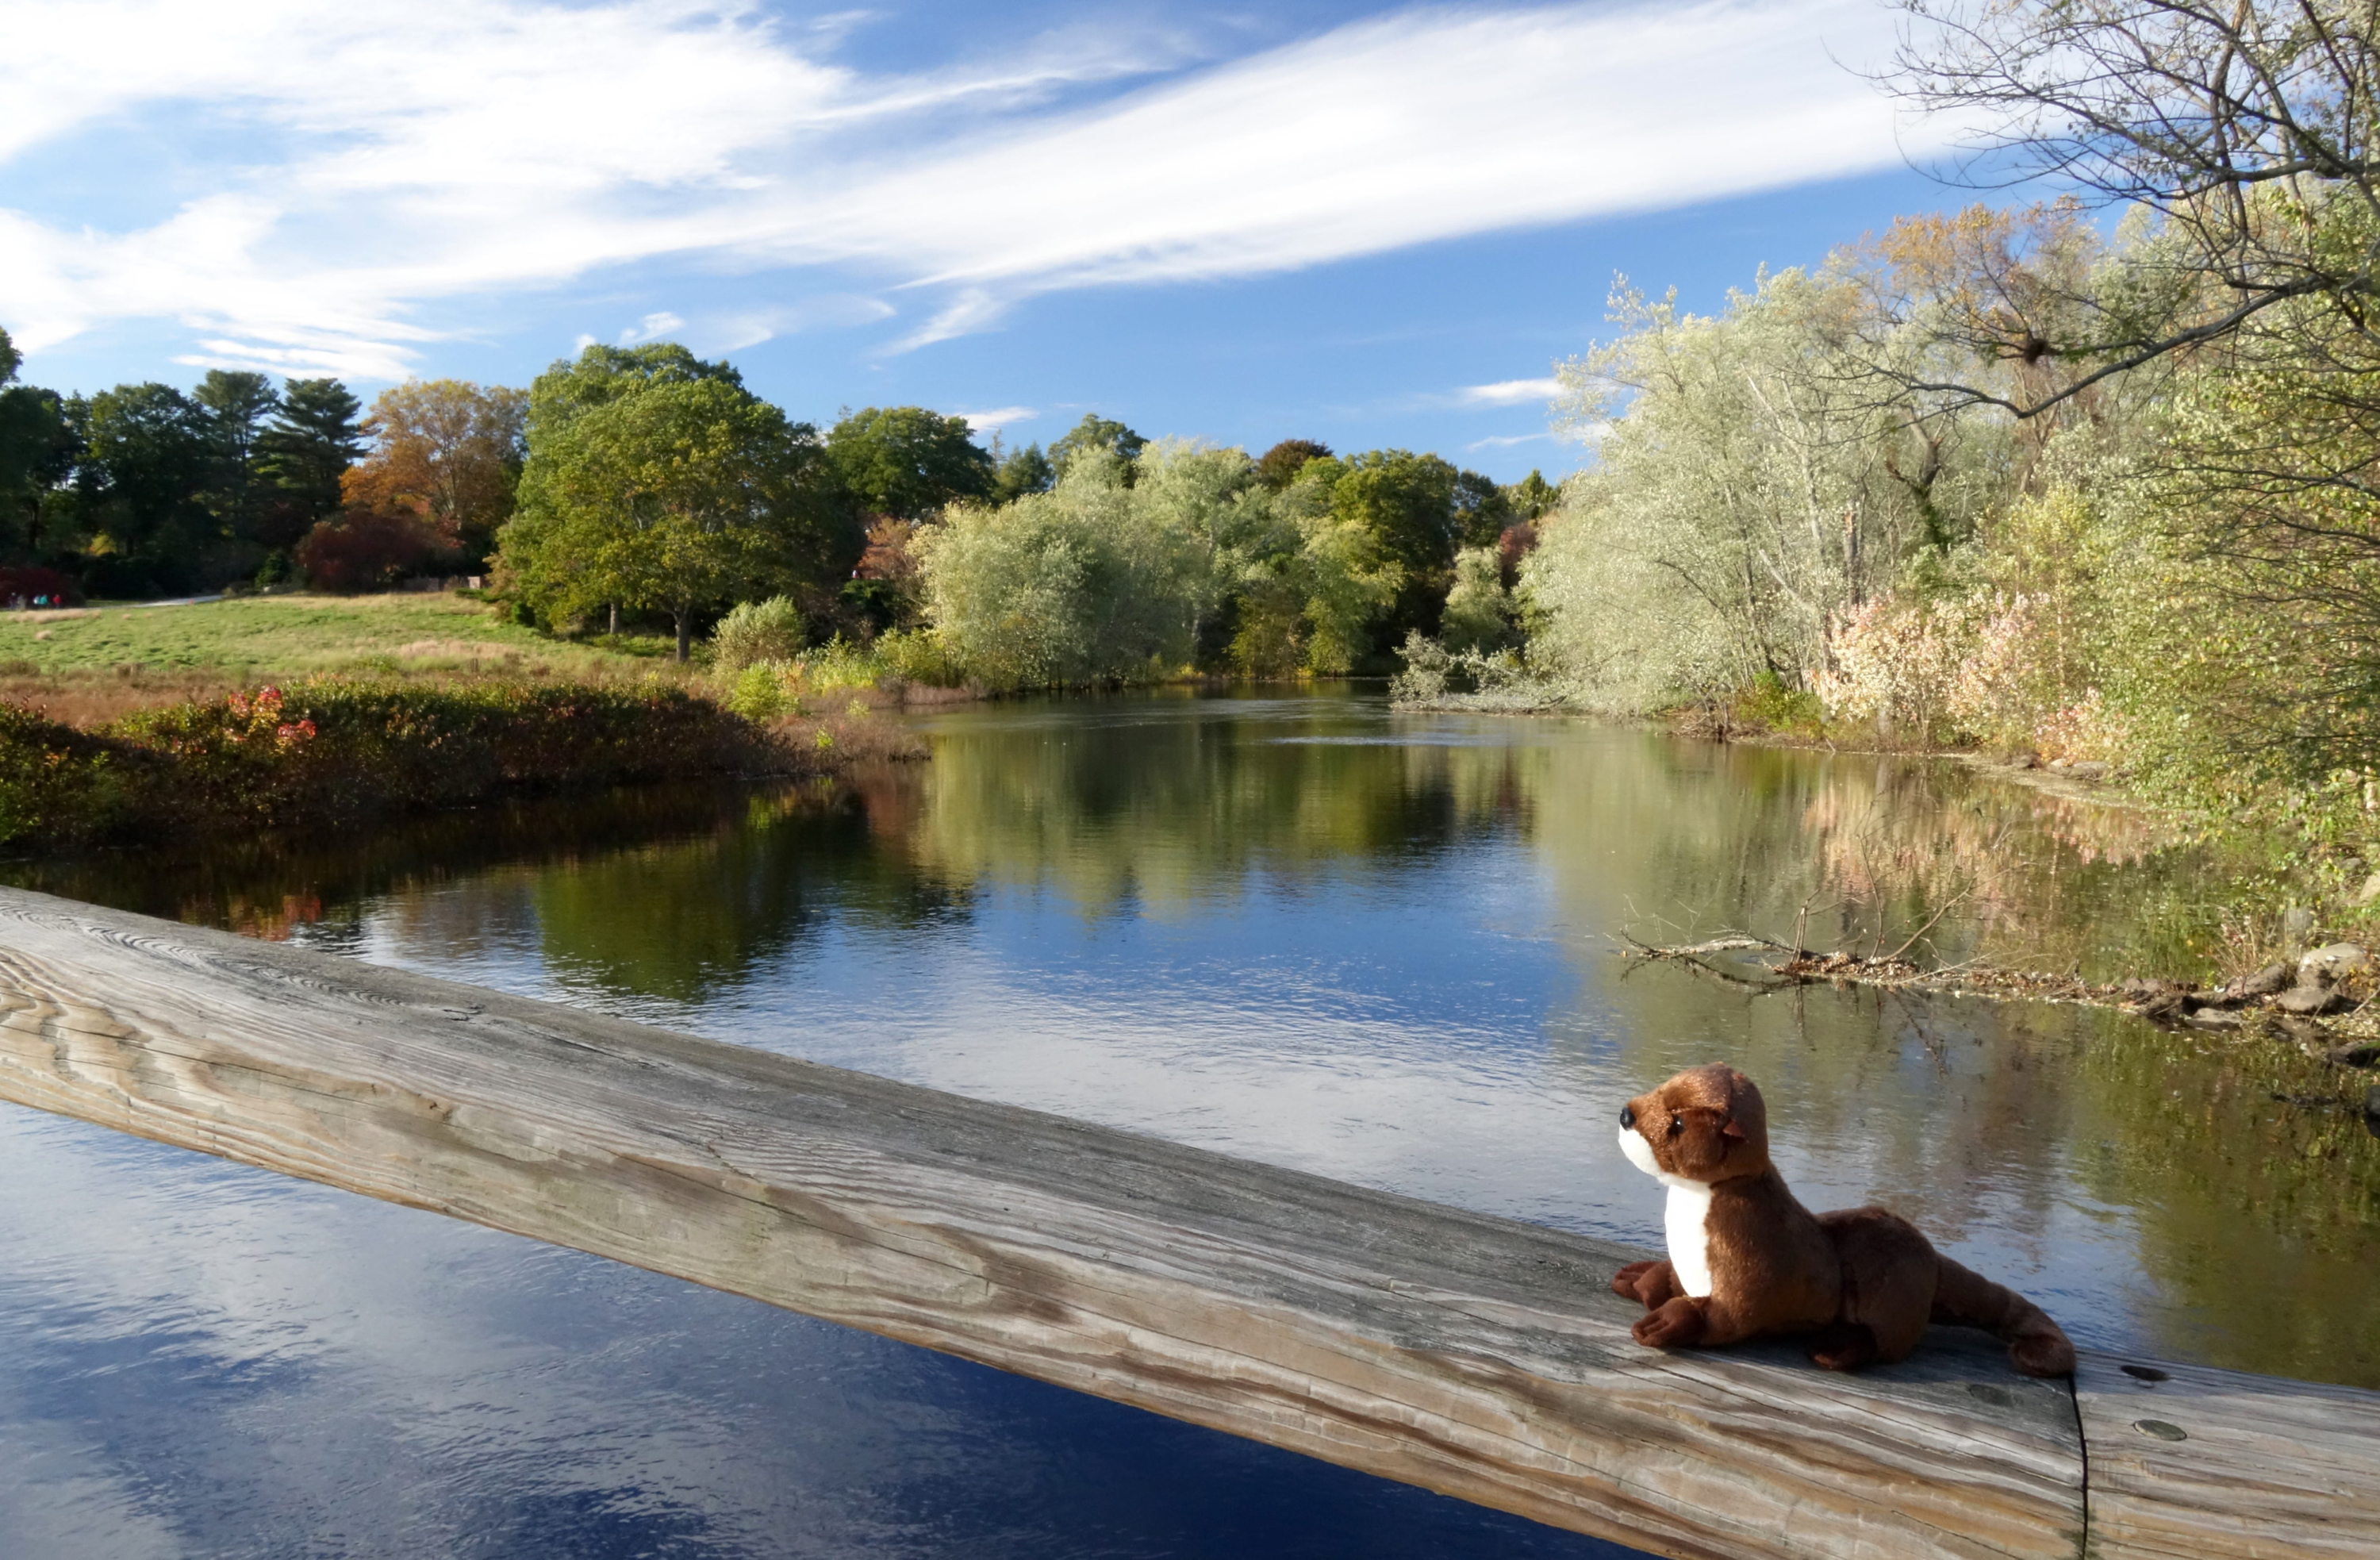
(2193, 1464)
(1479, 1357)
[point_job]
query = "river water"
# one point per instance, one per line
(1309, 931)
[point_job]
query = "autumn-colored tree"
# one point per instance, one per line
(366, 550)
(1279, 467)
(447, 451)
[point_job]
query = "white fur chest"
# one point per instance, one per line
(1686, 1220)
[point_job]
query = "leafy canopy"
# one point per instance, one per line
(908, 462)
(674, 491)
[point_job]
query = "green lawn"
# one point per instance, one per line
(291, 635)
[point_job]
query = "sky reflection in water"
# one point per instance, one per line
(1303, 931)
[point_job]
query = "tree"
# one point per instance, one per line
(1478, 610)
(1020, 472)
(38, 450)
(148, 456)
(2247, 129)
(671, 490)
(365, 550)
(601, 374)
(1095, 433)
(1080, 584)
(234, 406)
(1531, 497)
(448, 451)
(1279, 467)
(1482, 509)
(1742, 503)
(907, 462)
(302, 454)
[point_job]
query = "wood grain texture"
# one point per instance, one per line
(2192, 1464)
(1475, 1355)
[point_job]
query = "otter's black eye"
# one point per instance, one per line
(1677, 1125)
(1627, 1118)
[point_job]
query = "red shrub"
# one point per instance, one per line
(23, 582)
(366, 550)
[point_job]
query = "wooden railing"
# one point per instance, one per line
(1471, 1355)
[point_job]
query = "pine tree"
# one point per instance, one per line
(309, 443)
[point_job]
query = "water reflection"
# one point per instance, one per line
(1309, 931)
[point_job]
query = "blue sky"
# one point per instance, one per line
(1367, 225)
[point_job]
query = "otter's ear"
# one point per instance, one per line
(1730, 1129)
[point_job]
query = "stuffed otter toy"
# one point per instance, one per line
(1747, 1260)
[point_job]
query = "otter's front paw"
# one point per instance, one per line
(1675, 1326)
(1624, 1281)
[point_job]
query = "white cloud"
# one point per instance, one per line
(733, 332)
(386, 162)
(971, 309)
(1003, 416)
(1506, 440)
(1509, 393)
(653, 327)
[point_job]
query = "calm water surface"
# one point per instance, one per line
(1308, 931)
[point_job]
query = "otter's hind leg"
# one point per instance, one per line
(1842, 1346)
(1888, 1275)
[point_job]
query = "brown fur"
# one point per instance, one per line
(1862, 1284)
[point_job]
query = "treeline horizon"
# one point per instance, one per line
(632, 487)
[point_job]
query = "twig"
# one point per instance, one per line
(1736, 944)
(1947, 905)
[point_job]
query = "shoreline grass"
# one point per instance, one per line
(334, 752)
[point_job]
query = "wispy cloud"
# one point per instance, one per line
(1509, 393)
(375, 165)
(996, 419)
(1506, 440)
(653, 327)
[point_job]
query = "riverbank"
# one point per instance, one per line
(2299, 871)
(336, 752)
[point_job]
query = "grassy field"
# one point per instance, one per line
(288, 636)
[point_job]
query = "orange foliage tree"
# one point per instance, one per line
(448, 452)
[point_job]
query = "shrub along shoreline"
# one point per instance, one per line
(340, 752)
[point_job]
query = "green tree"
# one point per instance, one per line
(673, 492)
(1746, 502)
(1095, 433)
(1405, 503)
(1478, 614)
(148, 458)
(1020, 472)
(601, 375)
(235, 405)
(908, 462)
(38, 450)
(1531, 497)
(1088, 582)
(303, 453)
(1482, 509)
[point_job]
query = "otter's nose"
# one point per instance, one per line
(1627, 1116)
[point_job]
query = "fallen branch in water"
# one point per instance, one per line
(2293, 998)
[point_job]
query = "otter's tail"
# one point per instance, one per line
(2037, 1346)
